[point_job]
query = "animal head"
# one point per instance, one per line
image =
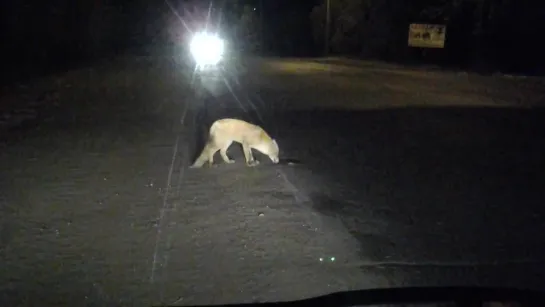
(270, 149)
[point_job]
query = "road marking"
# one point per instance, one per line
(314, 223)
(165, 198)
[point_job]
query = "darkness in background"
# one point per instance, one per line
(287, 28)
(40, 37)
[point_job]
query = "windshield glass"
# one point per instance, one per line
(197, 152)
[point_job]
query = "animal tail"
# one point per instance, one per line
(203, 157)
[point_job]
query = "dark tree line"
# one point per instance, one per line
(43, 36)
(489, 34)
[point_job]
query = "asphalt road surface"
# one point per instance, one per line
(407, 177)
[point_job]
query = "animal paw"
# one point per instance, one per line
(230, 161)
(253, 163)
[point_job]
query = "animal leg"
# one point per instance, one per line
(250, 161)
(223, 153)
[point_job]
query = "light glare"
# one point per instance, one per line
(207, 49)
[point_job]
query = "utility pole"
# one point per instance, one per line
(327, 22)
(479, 35)
(261, 25)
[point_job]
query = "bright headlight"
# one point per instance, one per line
(206, 49)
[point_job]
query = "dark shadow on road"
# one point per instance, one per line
(452, 184)
(80, 291)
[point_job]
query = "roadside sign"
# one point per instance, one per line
(427, 35)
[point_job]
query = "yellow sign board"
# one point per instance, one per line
(427, 36)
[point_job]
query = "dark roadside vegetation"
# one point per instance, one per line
(40, 38)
